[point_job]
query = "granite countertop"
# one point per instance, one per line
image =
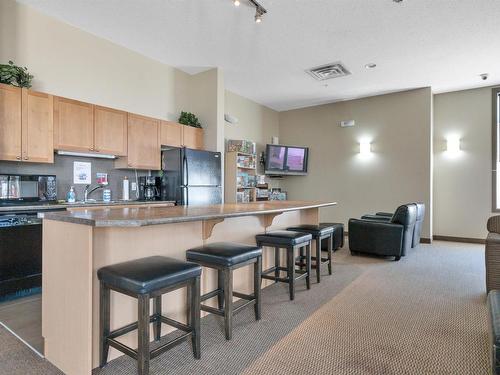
(136, 217)
(62, 206)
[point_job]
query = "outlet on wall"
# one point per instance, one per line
(133, 186)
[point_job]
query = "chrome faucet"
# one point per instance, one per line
(88, 192)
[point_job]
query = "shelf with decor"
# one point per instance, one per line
(240, 172)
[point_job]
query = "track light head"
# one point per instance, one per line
(236, 3)
(258, 14)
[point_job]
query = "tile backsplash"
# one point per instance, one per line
(63, 169)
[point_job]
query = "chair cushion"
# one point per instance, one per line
(315, 230)
(284, 237)
(494, 329)
(223, 253)
(149, 274)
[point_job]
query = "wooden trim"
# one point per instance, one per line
(208, 227)
(459, 239)
(425, 240)
(267, 220)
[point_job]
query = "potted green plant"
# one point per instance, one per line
(14, 75)
(189, 119)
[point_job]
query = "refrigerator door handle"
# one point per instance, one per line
(185, 171)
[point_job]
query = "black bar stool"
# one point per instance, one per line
(144, 279)
(338, 236)
(225, 257)
(289, 240)
(319, 233)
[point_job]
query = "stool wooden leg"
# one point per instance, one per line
(228, 300)
(220, 285)
(330, 251)
(291, 271)
(143, 354)
(104, 324)
(257, 277)
(157, 314)
(308, 265)
(301, 257)
(194, 316)
(276, 262)
(318, 259)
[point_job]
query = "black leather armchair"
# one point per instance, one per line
(391, 237)
(387, 216)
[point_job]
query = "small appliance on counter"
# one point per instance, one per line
(149, 188)
(18, 189)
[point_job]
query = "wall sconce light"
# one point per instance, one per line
(453, 145)
(365, 148)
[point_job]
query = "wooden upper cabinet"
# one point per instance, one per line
(73, 125)
(144, 151)
(192, 137)
(10, 122)
(110, 131)
(170, 134)
(37, 127)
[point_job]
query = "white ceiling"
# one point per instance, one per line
(444, 44)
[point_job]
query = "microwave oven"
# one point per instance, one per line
(27, 188)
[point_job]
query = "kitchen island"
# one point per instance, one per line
(76, 244)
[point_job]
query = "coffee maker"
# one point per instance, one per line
(149, 188)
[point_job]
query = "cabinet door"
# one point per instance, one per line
(37, 127)
(144, 150)
(170, 134)
(10, 122)
(192, 137)
(73, 125)
(110, 131)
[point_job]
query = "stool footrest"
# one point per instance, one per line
(209, 295)
(212, 310)
(248, 297)
(160, 350)
(175, 324)
(240, 307)
(122, 348)
(128, 328)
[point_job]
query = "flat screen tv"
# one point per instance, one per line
(286, 160)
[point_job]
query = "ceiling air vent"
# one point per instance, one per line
(328, 71)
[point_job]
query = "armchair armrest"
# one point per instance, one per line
(375, 237)
(376, 217)
(387, 214)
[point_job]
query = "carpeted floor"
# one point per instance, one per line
(423, 315)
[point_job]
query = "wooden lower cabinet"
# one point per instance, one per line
(37, 127)
(144, 151)
(192, 137)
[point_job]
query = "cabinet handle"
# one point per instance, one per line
(18, 157)
(129, 164)
(96, 150)
(26, 158)
(92, 149)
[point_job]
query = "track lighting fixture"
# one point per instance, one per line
(258, 16)
(259, 9)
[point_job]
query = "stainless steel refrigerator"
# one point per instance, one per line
(191, 177)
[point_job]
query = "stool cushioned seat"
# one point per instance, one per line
(284, 237)
(223, 253)
(315, 230)
(149, 274)
(338, 234)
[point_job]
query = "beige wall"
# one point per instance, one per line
(256, 122)
(462, 182)
(69, 62)
(398, 171)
